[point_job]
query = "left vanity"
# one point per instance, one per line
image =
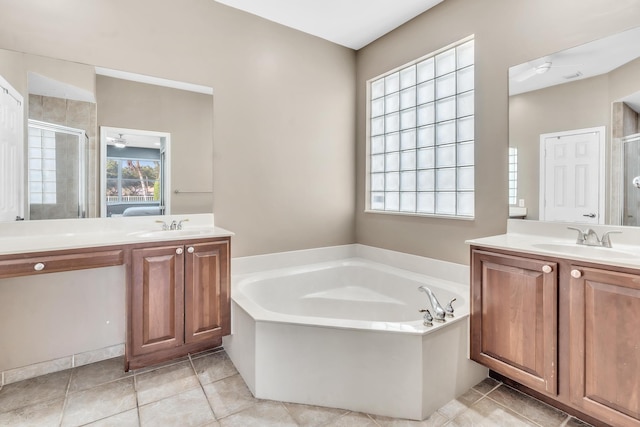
(177, 280)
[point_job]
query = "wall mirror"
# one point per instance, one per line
(574, 134)
(56, 162)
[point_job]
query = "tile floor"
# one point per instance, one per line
(206, 390)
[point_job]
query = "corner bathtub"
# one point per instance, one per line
(347, 334)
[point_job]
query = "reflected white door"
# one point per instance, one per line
(572, 176)
(11, 153)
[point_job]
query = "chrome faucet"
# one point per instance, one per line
(439, 312)
(174, 225)
(589, 237)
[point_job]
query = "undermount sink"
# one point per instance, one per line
(587, 251)
(186, 232)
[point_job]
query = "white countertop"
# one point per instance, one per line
(555, 240)
(50, 235)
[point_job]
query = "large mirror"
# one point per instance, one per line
(574, 134)
(80, 141)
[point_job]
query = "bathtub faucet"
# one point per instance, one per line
(438, 311)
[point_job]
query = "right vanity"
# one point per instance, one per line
(555, 302)
(560, 320)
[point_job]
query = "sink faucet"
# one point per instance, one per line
(589, 237)
(174, 225)
(438, 312)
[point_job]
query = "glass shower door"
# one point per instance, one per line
(57, 179)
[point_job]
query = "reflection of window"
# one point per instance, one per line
(513, 176)
(421, 136)
(42, 166)
(133, 180)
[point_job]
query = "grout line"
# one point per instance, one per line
(66, 397)
(135, 390)
(202, 387)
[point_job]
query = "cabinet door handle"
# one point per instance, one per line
(179, 251)
(38, 267)
(547, 269)
(190, 249)
(576, 274)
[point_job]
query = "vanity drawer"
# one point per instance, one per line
(52, 262)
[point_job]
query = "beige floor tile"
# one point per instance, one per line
(164, 382)
(312, 416)
(29, 392)
(259, 415)
(43, 414)
(435, 420)
(229, 395)
(527, 406)
(206, 352)
(487, 413)
(574, 422)
(124, 419)
(486, 385)
(352, 419)
(99, 402)
(161, 365)
(186, 409)
(87, 376)
(460, 404)
(214, 367)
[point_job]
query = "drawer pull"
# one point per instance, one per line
(190, 249)
(179, 251)
(576, 274)
(547, 269)
(38, 267)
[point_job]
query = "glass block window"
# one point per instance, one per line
(421, 136)
(513, 175)
(42, 166)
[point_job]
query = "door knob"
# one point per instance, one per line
(190, 249)
(547, 269)
(38, 267)
(179, 251)
(576, 274)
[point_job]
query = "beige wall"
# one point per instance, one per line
(187, 116)
(507, 33)
(283, 155)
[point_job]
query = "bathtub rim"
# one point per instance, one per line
(260, 314)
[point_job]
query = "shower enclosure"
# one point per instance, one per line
(631, 179)
(57, 177)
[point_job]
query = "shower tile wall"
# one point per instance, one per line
(79, 115)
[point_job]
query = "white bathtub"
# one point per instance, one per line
(346, 333)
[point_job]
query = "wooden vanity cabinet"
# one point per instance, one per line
(604, 344)
(567, 332)
(178, 300)
(514, 312)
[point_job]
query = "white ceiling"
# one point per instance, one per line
(350, 23)
(589, 60)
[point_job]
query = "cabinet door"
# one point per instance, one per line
(605, 344)
(514, 317)
(157, 299)
(207, 302)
